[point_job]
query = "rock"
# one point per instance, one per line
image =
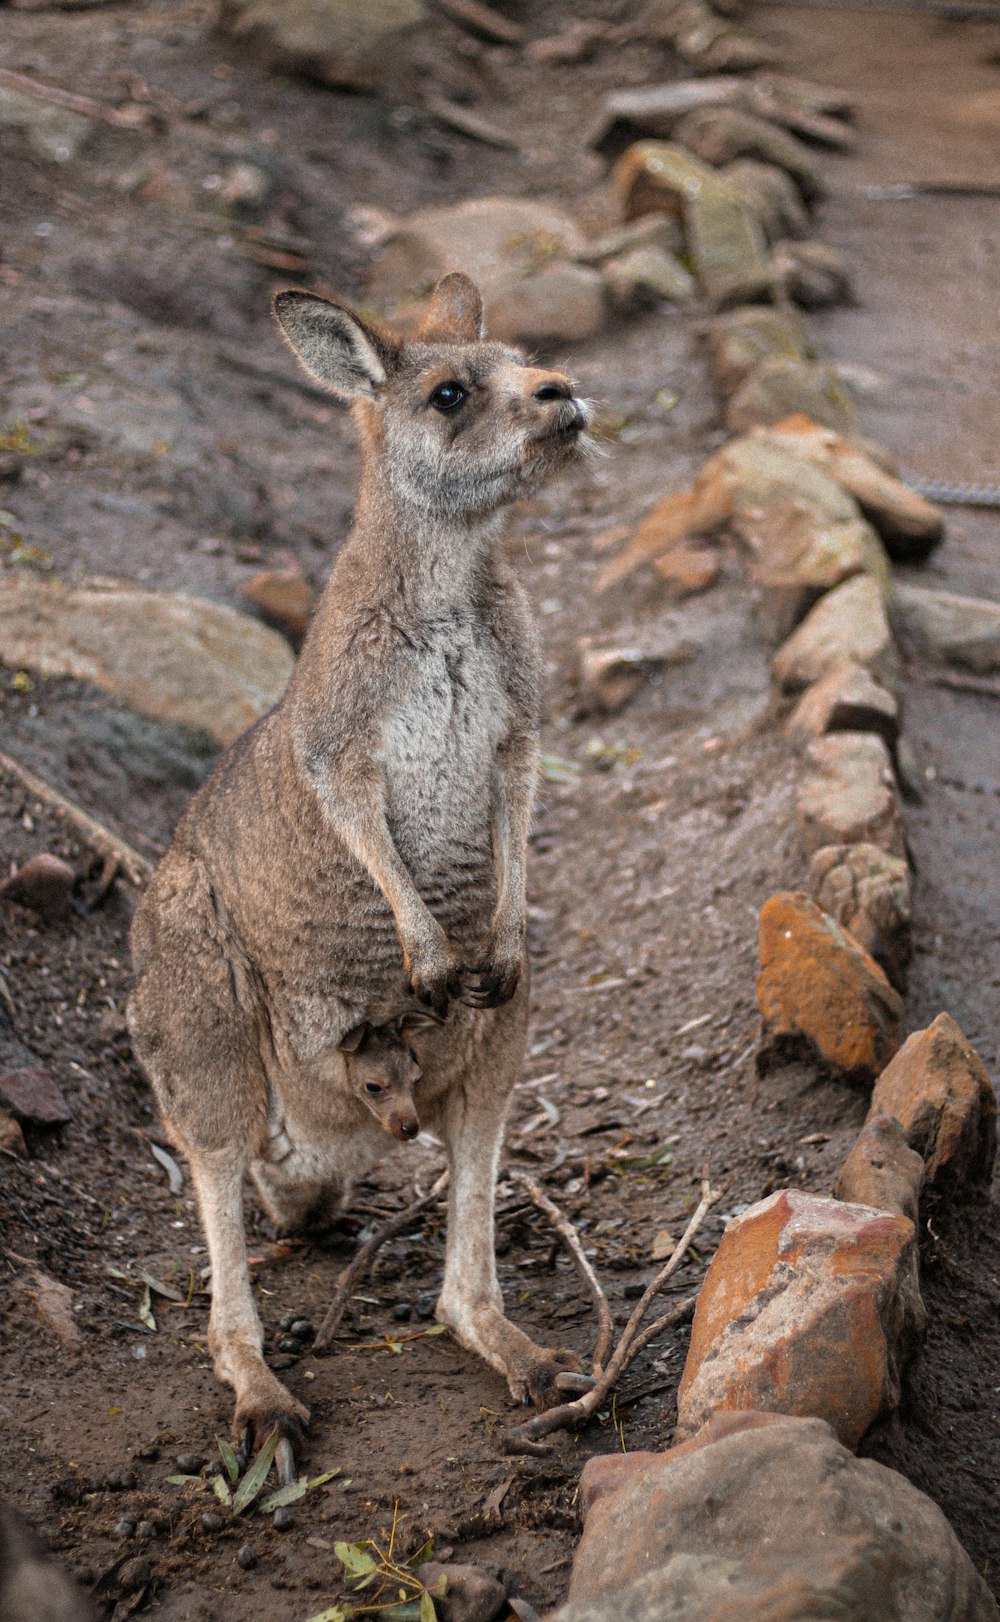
(653, 110)
(809, 1307)
(642, 277)
(938, 1088)
(172, 658)
(846, 699)
(688, 569)
(797, 553)
(962, 631)
(283, 1519)
(44, 883)
(867, 890)
(246, 1556)
(771, 196)
(820, 993)
(655, 177)
(11, 1137)
(283, 598)
(882, 1170)
(848, 623)
(470, 1594)
(778, 386)
(53, 1305)
(53, 132)
(910, 526)
(812, 274)
(847, 795)
(727, 247)
(335, 41)
(740, 339)
(577, 42)
(609, 677)
(648, 231)
(719, 134)
(763, 1516)
(711, 44)
(517, 250)
(34, 1098)
(697, 511)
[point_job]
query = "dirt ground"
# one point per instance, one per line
(176, 447)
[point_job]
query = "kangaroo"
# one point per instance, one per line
(382, 1072)
(364, 843)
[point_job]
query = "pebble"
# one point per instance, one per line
(425, 1305)
(212, 1522)
(632, 1292)
(402, 1312)
(302, 1329)
(284, 1520)
(125, 1527)
(287, 1321)
(189, 1464)
(44, 883)
(288, 1343)
(246, 1555)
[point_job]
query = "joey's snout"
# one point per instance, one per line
(554, 392)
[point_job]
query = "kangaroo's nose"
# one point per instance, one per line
(553, 390)
(409, 1129)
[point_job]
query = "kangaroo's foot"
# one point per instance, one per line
(530, 1370)
(265, 1407)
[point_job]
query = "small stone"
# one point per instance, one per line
(557, 304)
(653, 110)
(282, 597)
(402, 1312)
(426, 1305)
(719, 134)
(212, 1522)
(819, 992)
(868, 891)
(633, 1292)
(643, 277)
(850, 622)
(848, 794)
(938, 1088)
(302, 1329)
(727, 246)
(44, 883)
(284, 1520)
(11, 1136)
(846, 699)
(334, 41)
(963, 631)
(688, 569)
(470, 1594)
(882, 1170)
(124, 1528)
(609, 677)
(246, 1555)
(649, 231)
(771, 195)
(33, 1097)
(288, 1343)
(812, 274)
(740, 339)
(135, 1573)
(655, 177)
(189, 1464)
(779, 387)
(809, 1307)
(54, 133)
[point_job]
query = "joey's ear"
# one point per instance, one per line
(455, 312)
(350, 356)
(352, 1040)
(418, 1019)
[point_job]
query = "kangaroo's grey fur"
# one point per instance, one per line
(365, 841)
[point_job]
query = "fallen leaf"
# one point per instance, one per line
(146, 1310)
(663, 1244)
(256, 1476)
(175, 1177)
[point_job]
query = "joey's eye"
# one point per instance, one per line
(373, 1089)
(448, 397)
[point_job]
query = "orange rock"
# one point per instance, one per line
(848, 795)
(697, 511)
(882, 1170)
(819, 990)
(810, 1307)
(846, 699)
(938, 1088)
(283, 597)
(688, 569)
(868, 891)
(11, 1136)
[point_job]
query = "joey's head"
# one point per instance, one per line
(383, 1073)
(455, 425)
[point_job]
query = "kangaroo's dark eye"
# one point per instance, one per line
(448, 397)
(373, 1089)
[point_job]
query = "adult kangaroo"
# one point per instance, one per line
(364, 844)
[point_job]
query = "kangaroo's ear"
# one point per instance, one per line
(455, 312)
(417, 1019)
(352, 1040)
(351, 357)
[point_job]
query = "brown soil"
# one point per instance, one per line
(177, 448)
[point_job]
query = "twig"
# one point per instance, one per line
(131, 865)
(356, 1268)
(571, 1239)
(571, 1414)
(122, 118)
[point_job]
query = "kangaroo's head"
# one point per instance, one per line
(456, 426)
(383, 1071)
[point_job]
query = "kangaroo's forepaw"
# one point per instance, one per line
(434, 978)
(490, 984)
(543, 1390)
(253, 1424)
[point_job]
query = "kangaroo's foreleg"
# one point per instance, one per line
(494, 979)
(235, 1337)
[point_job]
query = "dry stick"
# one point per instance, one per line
(570, 1414)
(354, 1270)
(132, 866)
(84, 105)
(571, 1239)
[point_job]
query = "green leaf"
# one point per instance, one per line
(166, 1290)
(335, 1613)
(180, 1481)
(229, 1459)
(256, 1476)
(355, 1557)
(321, 1481)
(221, 1491)
(424, 1553)
(283, 1495)
(427, 1611)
